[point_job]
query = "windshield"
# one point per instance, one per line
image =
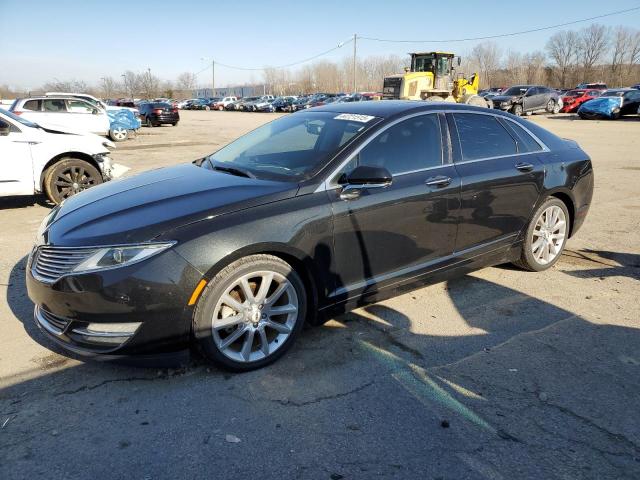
(18, 119)
(516, 91)
(291, 148)
(423, 63)
(613, 93)
(575, 93)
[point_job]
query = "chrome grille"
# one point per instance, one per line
(53, 323)
(51, 263)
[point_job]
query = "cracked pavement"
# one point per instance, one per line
(502, 374)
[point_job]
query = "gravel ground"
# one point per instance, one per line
(502, 374)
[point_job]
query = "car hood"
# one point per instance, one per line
(142, 207)
(89, 143)
(503, 98)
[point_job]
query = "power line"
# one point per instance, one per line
(502, 35)
(292, 64)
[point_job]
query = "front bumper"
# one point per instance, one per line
(149, 299)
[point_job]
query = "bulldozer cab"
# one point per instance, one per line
(439, 64)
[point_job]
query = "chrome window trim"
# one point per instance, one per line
(329, 182)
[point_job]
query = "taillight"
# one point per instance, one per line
(174, 110)
(17, 112)
(157, 111)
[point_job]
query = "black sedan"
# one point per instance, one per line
(306, 217)
(155, 114)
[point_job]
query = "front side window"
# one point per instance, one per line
(79, 106)
(413, 144)
(482, 136)
(294, 147)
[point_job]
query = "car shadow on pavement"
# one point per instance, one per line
(506, 386)
(24, 201)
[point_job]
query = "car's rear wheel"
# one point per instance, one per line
(250, 313)
(69, 176)
(546, 236)
(118, 134)
(149, 122)
(174, 123)
(207, 108)
(221, 108)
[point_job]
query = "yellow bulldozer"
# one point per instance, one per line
(432, 76)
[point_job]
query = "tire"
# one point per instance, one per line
(517, 110)
(119, 134)
(220, 108)
(550, 106)
(224, 299)
(174, 124)
(556, 108)
(149, 123)
(207, 108)
(69, 176)
(551, 217)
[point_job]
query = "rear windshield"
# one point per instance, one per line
(161, 105)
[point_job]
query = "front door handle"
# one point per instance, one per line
(439, 181)
(524, 167)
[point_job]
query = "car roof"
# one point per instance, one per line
(390, 108)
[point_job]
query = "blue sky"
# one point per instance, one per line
(85, 40)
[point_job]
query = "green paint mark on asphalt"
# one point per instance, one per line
(416, 381)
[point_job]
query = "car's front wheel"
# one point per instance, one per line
(517, 110)
(250, 313)
(546, 236)
(69, 176)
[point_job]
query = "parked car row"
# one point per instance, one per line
(270, 103)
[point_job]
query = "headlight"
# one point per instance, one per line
(119, 256)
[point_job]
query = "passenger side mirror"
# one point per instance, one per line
(5, 128)
(459, 61)
(94, 111)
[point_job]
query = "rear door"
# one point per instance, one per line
(54, 113)
(501, 179)
(397, 232)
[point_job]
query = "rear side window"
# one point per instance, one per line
(413, 144)
(482, 136)
(34, 105)
(54, 105)
(526, 143)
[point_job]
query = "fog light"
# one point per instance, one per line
(107, 333)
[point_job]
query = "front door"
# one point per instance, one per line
(396, 232)
(16, 167)
(501, 180)
(532, 99)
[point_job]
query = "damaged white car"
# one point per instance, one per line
(36, 160)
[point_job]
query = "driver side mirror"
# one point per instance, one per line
(362, 178)
(94, 111)
(5, 128)
(459, 61)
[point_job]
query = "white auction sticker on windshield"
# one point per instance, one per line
(354, 117)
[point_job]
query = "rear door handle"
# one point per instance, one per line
(524, 167)
(439, 181)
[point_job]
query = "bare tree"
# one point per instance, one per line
(108, 86)
(186, 81)
(593, 44)
(71, 86)
(486, 56)
(562, 47)
(131, 83)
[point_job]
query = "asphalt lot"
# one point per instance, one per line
(502, 374)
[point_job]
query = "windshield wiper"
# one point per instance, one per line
(234, 171)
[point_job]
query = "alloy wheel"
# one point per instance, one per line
(73, 180)
(254, 316)
(119, 134)
(549, 235)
